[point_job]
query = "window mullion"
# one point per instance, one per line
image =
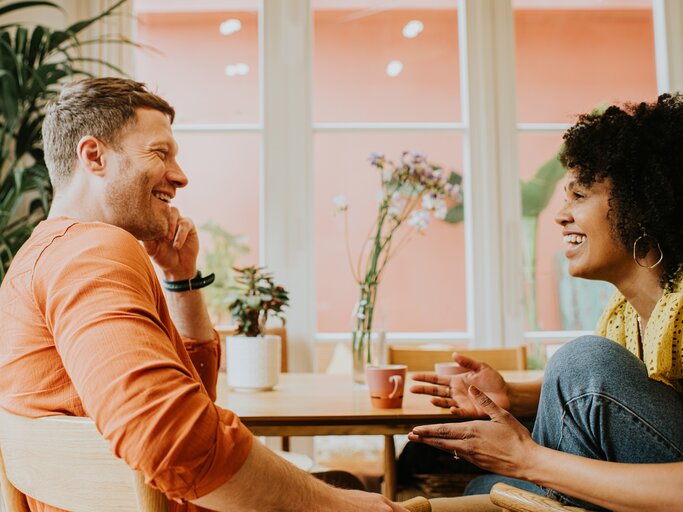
(287, 212)
(493, 203)
(668, 29)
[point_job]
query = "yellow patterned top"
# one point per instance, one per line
(661, 348)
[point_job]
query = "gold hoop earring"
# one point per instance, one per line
(635, 257)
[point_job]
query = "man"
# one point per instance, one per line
(86, 329)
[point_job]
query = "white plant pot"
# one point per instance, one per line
(253, 363)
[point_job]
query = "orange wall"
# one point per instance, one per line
(568, 61)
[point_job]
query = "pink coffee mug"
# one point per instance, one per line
(449, 368)
(385, 383)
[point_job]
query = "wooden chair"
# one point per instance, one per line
(512, 499)
(65, 462)
(417, 504)
(422, 357)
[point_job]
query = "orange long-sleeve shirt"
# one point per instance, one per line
(85, 331)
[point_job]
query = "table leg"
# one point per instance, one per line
(389, 487)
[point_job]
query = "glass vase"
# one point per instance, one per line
(368, 344)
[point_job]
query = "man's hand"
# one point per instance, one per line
(176, 254)
(501, 445)
(451, 391)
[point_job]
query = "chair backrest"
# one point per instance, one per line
(63, 461)
(421, 357)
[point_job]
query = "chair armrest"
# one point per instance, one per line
(517, 500)
(417, 504)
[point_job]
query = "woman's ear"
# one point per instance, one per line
(90, 151)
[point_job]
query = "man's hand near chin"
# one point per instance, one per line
(176, 254)
(176, 257)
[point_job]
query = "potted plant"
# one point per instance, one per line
(253, 358)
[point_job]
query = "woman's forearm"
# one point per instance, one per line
(616, 486)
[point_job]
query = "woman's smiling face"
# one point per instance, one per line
(587, 227)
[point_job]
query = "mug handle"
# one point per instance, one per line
(398, 381)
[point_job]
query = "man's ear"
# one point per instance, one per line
(90, 151)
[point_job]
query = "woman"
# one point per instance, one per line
(609, 426)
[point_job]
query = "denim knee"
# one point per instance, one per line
(590, 358)
(483, 484)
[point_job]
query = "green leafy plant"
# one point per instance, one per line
(224, 251)
(256, 297)
(35, 61)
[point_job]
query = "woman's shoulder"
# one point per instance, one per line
(669, 309)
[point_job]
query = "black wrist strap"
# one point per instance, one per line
(185, 285)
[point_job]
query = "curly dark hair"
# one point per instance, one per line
(639, 147)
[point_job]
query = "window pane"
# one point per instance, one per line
(203, 60)
(569, 60)
(383, 64)
(423, 288)
(223, 190)
(555, 300)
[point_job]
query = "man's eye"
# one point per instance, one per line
(162, 154)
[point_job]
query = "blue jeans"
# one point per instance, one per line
(598, 402)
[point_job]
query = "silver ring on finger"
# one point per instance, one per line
(455, 454)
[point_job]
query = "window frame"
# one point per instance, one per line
(494, 281)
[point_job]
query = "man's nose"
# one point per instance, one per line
(177, 176)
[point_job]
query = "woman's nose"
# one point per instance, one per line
(563, 216)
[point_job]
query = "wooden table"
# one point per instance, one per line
(315, 404)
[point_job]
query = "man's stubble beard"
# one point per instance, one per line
(131, 208)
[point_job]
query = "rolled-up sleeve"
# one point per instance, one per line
(206, 358)
(130, 370)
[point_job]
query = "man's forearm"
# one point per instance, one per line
(189, 314)
(266, 482)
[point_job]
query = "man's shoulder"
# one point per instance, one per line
(79, 236)
(64, 241)
(53, 229)
(67, 235)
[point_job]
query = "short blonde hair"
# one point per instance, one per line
(100, 107)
